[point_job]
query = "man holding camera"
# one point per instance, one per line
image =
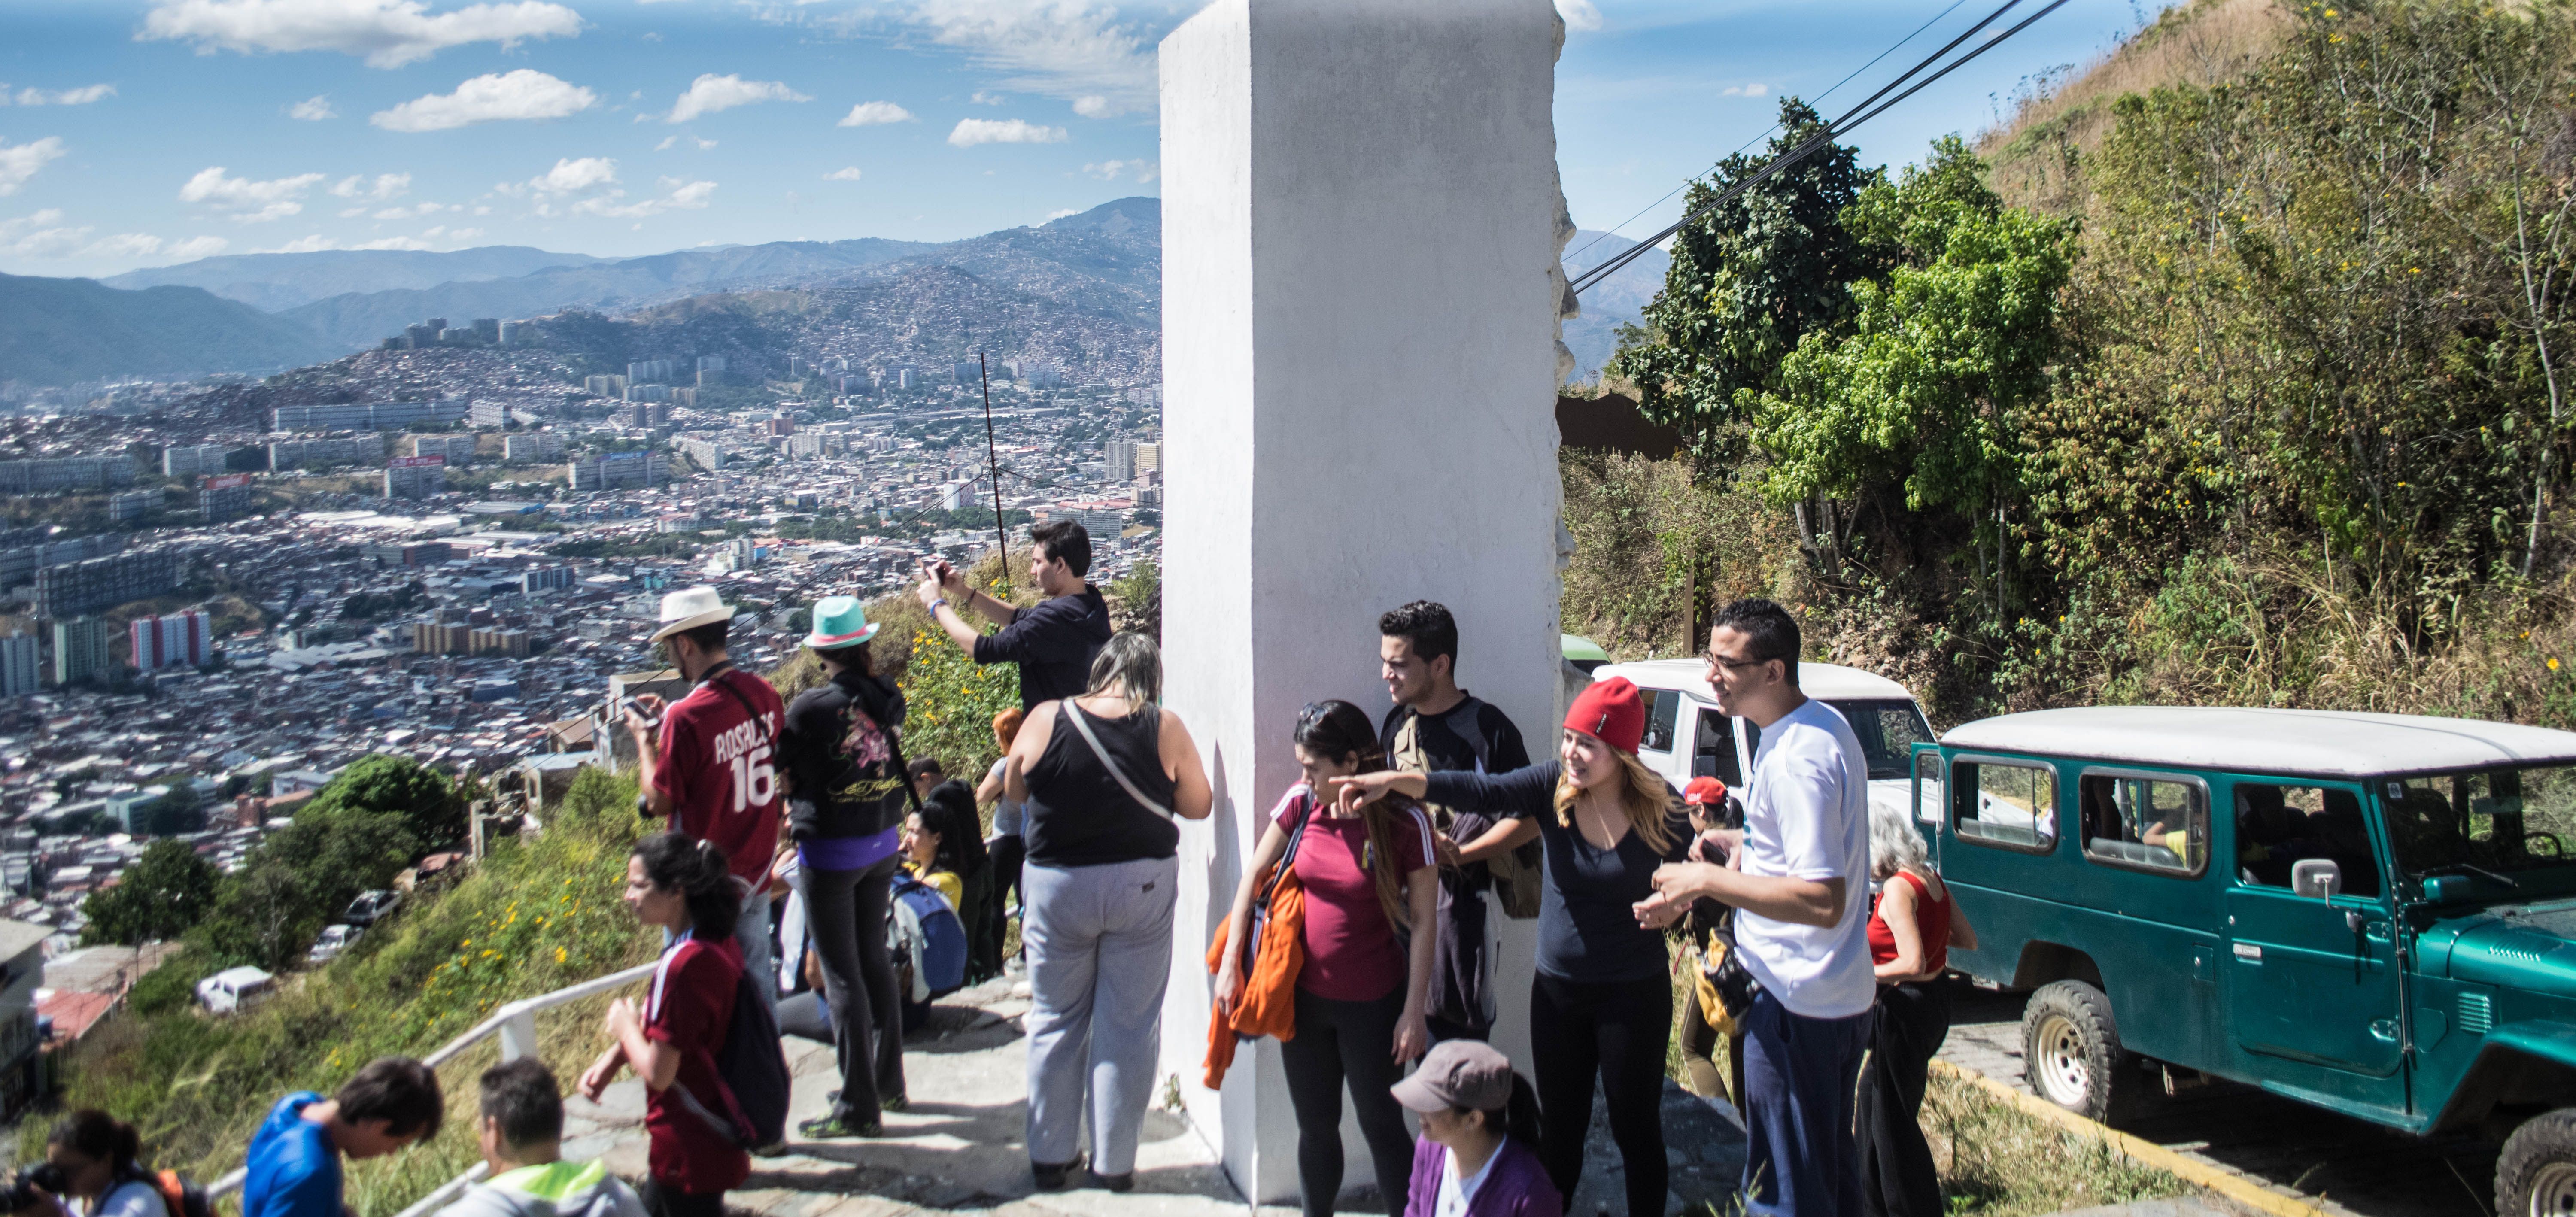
(1052, 641)
(709, 760)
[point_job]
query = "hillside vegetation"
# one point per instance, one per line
(60, 331)
(2263, 401)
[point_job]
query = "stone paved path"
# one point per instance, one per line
(958, 1148)
(2348, 1166)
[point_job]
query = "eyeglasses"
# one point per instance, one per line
(1716, 660)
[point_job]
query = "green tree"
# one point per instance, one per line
(299, 878)
(1747, 282)
(425, 800)
(164, 893)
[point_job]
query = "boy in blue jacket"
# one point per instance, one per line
(293, 1168)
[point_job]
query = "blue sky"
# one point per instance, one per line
(145, 132)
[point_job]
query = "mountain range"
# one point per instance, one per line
(1084, 283)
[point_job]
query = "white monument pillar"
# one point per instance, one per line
(1361, 293)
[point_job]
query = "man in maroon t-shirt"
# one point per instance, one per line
(709, 760)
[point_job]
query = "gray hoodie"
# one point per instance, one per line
(556, 1189)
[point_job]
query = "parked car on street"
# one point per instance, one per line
(234, 990)
(371, 907)
(1687, 736)
(333, 940)
(2371, 913)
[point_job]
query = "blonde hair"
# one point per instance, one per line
(1130, 667)
(1642, 794)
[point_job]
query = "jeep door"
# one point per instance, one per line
(2312, 985)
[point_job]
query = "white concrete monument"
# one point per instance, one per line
(1361, 298)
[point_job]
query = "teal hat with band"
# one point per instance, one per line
(839, 621)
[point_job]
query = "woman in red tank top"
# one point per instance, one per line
(1911, 927)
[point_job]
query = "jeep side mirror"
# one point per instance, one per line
(2318, 877)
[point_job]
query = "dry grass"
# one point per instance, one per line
(2035, 152)
(1999, 1162)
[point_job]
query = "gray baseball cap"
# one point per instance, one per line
(1462, 1074)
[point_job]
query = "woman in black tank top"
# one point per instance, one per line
(1101, 777)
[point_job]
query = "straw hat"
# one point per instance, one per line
(689, 608)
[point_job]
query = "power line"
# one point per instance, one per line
(1739, 151)
(1853, 118)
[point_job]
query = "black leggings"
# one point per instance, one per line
(1353, 1040)
(847, 910)
(662, 1200)
(1008, 853)
(1618, 1032)
(1898, 1176)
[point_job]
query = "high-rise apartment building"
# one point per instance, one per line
(66, 473)
(130, 505)
(621, 471)
(488, 414)
(458, 449)
(415, 477)
(21, 665)
(80, 650)
(649, 372)
(97, 583)
(172, 640)
(224, 497)
(178, 461)
(380, 416)
(364, 448)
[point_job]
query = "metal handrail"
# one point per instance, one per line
(516, 1024)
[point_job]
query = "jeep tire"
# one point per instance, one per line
(2071, 1053)
(2536, 1173)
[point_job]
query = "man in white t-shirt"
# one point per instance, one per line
(1798, 874)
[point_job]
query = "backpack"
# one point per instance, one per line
(927, 939)
(1516, 871)
(183, 1197)
(751, 1074)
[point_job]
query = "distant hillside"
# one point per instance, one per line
(1615, 301)
(362, 319)
(63, 331)
(274, 282)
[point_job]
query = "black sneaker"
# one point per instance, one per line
(1057, 1176)
(1115, 1183)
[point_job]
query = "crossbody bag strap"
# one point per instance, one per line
(1287, 860)
(1083, 726)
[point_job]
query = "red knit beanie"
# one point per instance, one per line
(1612, 711)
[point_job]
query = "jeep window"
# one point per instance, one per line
(1927, 782)
(1713, 750)
(2278, 827)
(2014, 806)
(2142, 822)
(1888, 730)
(1663, 706)
(2499, 820)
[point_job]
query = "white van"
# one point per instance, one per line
(235, 989)
(1687, 736)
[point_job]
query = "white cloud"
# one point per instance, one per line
(847, 173)
(983, 98)
(522, 94)
(1756, 89)
(1092, 106)
(973, 131)
(1581, 16)
(313, 109)
(710, 93)
(42, 235)
(571, 176)
(19, 162)
(248, 201)
(413, 212)
(385, 186)
(81, 96)
(197, 247)
(872, 113)
(673, 141)
(1054, 216)
(389, 33)
(126, 245)
(393, 243)
(303, 245)
(1140, 169)
(677, 195)
(460, 235)
(1061, 48)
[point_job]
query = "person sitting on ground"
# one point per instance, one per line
(293, 1169)
(96, 1153)
(686, 888)
(926, 773)
(1478, 1156)
(949, 814)
(521, 1134)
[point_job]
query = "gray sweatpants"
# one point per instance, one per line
(1099, 942)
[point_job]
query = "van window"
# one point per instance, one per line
(1713, 750)
(1663, 706)
(2142, 822)
(2279, 826)
(1888, 730)
(2004, 804)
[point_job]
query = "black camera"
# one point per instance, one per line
(22, 1190)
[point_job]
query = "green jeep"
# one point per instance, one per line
(2388, 931)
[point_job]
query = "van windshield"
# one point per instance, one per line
(1888, 729)
(2499, 820)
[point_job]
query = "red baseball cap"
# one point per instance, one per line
(1704, 792)
(1611, 710)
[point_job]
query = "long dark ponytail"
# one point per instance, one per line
(1519, 1118)
(700, 873)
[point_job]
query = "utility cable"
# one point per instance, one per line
(1739, 151)
(1855, 117)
